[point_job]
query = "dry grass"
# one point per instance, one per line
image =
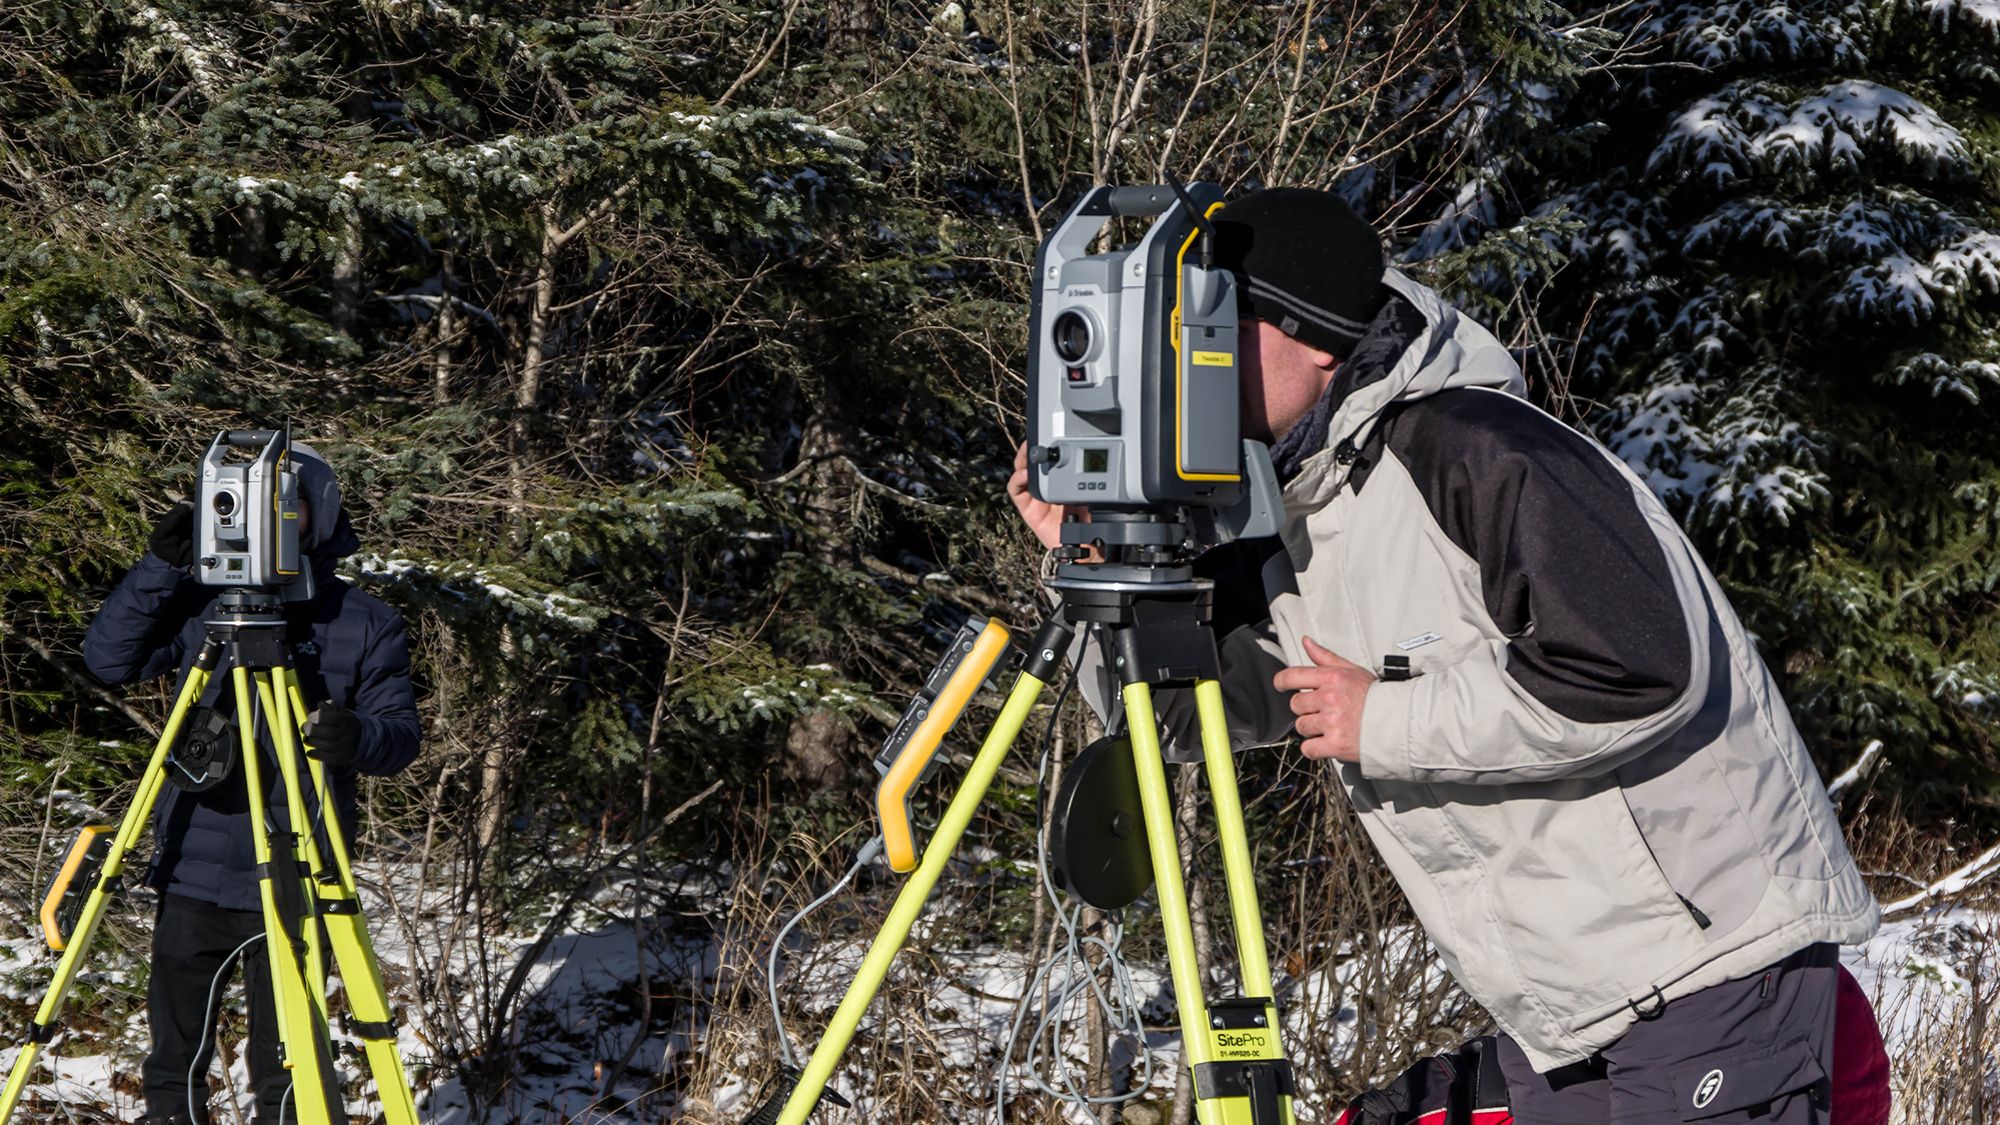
(1944, 1069)
(1936, 989)
(899, 1067)
(1363, 993)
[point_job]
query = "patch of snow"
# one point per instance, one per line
(1835, 127)
(1970, 14)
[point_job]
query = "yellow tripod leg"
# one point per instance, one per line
(126, 841)
(910, 902)
(301, 1027)
(1214, 1038)
(274, 695)
(1252, 959)
(353, 952)
(1156, 802)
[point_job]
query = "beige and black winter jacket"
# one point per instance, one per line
(1587, 782)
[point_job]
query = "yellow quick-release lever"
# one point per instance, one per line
(909, 754)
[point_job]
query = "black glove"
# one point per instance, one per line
(173, 537)
(333, 734)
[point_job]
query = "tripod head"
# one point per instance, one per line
(245, 626)
(241, 606)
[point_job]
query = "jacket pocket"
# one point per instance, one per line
(1695, 914)
(1725, 1086)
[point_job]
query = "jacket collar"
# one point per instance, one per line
(1387, 337)
(1447, 352)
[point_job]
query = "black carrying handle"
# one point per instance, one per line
(1143, 199)
(248, 439)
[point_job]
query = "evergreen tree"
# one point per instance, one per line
(526, 296)
(1780, 260)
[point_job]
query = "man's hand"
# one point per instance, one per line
(172, 540)
(333, 735)
(1043, 518)
(1328, 700)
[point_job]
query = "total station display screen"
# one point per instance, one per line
(1096, 460)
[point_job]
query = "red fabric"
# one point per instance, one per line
(1438, 1117)
(1860, 1064)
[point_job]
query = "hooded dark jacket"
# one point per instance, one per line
(347, 647)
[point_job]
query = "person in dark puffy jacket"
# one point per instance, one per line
(352, 657)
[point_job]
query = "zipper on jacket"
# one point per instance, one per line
(1694, 911)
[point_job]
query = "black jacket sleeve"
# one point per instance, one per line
(136, 634)
(386, 703)
(1599, 659)
(1570, 570)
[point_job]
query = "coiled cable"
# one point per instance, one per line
(1070, 977)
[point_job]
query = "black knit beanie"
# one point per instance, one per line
(1304, 262)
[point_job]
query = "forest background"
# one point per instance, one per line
(671, 356)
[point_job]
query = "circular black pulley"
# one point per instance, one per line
(1097, 829)
(206, 755)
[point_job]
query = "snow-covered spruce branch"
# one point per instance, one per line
(1862, 767)
(1980, 869)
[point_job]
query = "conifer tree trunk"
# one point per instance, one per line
(347, 276)
(246, 243)
(447, 326)
(853, 24)
(818, 742)
(500, 754)
(1096, 1034)
(528, 385)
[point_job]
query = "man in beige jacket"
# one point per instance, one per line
(1537, 697)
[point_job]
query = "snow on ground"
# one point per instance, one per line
(1919, 965)
(581, 1017)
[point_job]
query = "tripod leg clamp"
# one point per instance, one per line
(786, 1081)
(271, 870)
(41, 1033)
(371, 1029)
(1263, 1082)
(1242, 1032)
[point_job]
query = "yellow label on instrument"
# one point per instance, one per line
(1244, 1043)
(1214, 359)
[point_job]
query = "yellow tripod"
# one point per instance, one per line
(304, 878)
(1153, 621)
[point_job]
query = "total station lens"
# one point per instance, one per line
(1072, 337)
(224, 503)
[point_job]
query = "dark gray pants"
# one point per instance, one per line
(1758, 1049)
